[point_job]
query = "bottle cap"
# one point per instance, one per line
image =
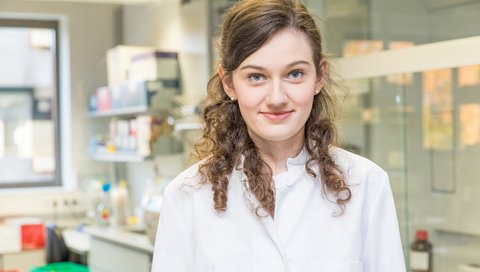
(421, 235)
(106, 186)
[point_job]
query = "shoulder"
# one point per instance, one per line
(186, 182)
(368, 182)
(358, 169)
(348, 161)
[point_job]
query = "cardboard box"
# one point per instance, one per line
(154, 65)
(119, 60)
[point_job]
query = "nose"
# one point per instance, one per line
(276, 95)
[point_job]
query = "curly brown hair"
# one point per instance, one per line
(247, 25)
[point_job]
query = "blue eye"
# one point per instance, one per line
(255, 77)
(295, 74)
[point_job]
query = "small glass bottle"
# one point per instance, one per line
(421, 257)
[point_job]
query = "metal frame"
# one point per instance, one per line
(55, 25)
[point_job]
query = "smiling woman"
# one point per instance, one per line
(272, 192)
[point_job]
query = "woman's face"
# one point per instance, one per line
(275, 87)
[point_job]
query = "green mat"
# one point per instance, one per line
(61, 267)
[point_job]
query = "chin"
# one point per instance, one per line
(277, 137)
(277, 134)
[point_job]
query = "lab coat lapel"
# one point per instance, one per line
(274, 235)
(267, 220)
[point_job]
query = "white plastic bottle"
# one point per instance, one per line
(120, 204)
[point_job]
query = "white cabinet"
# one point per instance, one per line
(23, 260)
(112, 257)
(118, 251)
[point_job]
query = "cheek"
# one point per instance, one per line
(248, 105)
(249, 98)
(306, 99)
(302, 98)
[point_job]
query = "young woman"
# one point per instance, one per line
(272, 192)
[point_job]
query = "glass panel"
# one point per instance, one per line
(373, 125)
(27, 106)
(363, 26)
(424, 130)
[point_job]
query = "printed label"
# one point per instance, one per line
(419, 260)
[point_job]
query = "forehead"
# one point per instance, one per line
(286, 46)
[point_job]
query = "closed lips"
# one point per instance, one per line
(278, 115)
(277, 112)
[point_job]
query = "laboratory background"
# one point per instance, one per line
(101, 101)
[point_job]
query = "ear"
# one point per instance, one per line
(322, 71)
(226, 82)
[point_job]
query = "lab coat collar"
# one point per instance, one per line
(300, 159)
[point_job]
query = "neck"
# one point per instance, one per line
(276, 153)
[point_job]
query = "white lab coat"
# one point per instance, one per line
(305, 234)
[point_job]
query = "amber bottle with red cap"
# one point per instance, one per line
(421, 257)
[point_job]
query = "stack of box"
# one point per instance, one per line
(154, 65)
(119, 60)
(137, 76)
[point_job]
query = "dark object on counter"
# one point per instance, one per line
(421, 257)
(56, 249)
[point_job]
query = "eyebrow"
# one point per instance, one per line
(251, 66)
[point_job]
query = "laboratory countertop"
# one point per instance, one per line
(76, 241)
(122, 237)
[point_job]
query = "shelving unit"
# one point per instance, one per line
(139, 115)
(143, 148)
(119, 157)
(133, 110)
(188, 126)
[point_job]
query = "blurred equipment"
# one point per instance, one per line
(151, 203)
(56, 249)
